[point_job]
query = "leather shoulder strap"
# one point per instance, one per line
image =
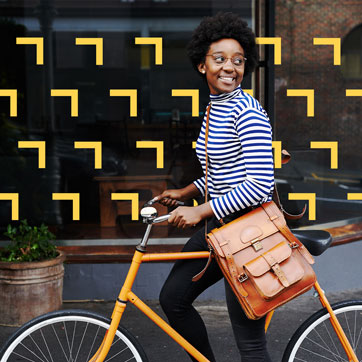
(206, 158)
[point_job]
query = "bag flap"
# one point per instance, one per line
(264, 262)
(241, 231)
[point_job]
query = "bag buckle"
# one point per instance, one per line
(242, 277)
(294, 245)
(257, 245)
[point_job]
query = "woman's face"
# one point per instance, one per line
(225, 77)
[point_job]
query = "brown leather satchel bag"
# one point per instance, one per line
(264, 263)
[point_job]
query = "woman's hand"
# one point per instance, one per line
(185, 216)
(170, 197)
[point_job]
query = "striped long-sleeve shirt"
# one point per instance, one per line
(240, 166)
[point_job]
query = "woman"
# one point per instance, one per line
(240, 175)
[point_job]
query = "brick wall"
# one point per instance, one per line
(308, 66)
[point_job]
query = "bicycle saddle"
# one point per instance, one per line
(316, 241)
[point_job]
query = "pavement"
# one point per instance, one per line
(160, 347)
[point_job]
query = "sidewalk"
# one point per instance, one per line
(159, 347)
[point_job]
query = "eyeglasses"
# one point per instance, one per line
(238, 60)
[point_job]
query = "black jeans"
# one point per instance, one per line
(179, 292)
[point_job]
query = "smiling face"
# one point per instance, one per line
(223, 78)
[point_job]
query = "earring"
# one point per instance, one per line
(203, 72)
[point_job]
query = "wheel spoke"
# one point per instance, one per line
(332, 340)
(71, 350)
(23, 357)
(66, 336)
(94, 340)
(23, 345)
(319, 355)
(38, 348)
(81, 342)
(349, 331)
(46, 345)
(124, 349)
(324, 348)
(60, 344)
(359, 336)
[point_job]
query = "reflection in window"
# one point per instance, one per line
(351, 65)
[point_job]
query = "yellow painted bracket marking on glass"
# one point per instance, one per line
(74, 197)
(14, 198)
(157, 42)
(98, 42)
(249, 91)
(128, 196)
(310, 197)
(277, 145)
(277, 42)
(39, 43)
(336, 42)
(97, 146)
(354, 196)
(353, 92)
(40, 145)
(159, 150)
(309, 93)
(193, 144)
(332, 145)
(73, 94)
(194, 93)
(13, 94)
(132, 93)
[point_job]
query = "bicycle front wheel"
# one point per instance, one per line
(69, 335)
(316, 340)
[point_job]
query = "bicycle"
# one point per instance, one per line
(76, 335)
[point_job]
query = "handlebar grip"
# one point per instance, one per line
(154, 200)
(161, 218)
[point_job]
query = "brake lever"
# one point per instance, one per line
(155, 199)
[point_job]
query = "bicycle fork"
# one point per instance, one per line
(336, 325)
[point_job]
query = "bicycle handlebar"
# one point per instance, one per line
(150, 214)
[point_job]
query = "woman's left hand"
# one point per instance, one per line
(185, 216)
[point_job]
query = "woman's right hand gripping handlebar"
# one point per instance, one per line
(184, 216)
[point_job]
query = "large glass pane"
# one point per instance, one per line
(101, 117)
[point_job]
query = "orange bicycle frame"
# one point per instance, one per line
(126, 295)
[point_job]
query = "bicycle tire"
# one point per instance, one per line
(316, 340)
(69, 335)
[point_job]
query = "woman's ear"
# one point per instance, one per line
(201, 68)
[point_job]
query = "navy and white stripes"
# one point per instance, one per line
(240, 167)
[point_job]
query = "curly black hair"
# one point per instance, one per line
(222, 26)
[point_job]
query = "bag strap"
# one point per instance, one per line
(202, 272)
(206, 158)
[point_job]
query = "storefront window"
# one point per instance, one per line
(127, 167)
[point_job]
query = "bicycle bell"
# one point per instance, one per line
(148, 213)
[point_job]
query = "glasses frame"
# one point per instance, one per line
(226, 59)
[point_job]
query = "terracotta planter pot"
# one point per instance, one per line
(28, 290)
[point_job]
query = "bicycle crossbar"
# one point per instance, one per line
(175, 256)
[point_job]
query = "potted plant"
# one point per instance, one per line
(31, 274)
